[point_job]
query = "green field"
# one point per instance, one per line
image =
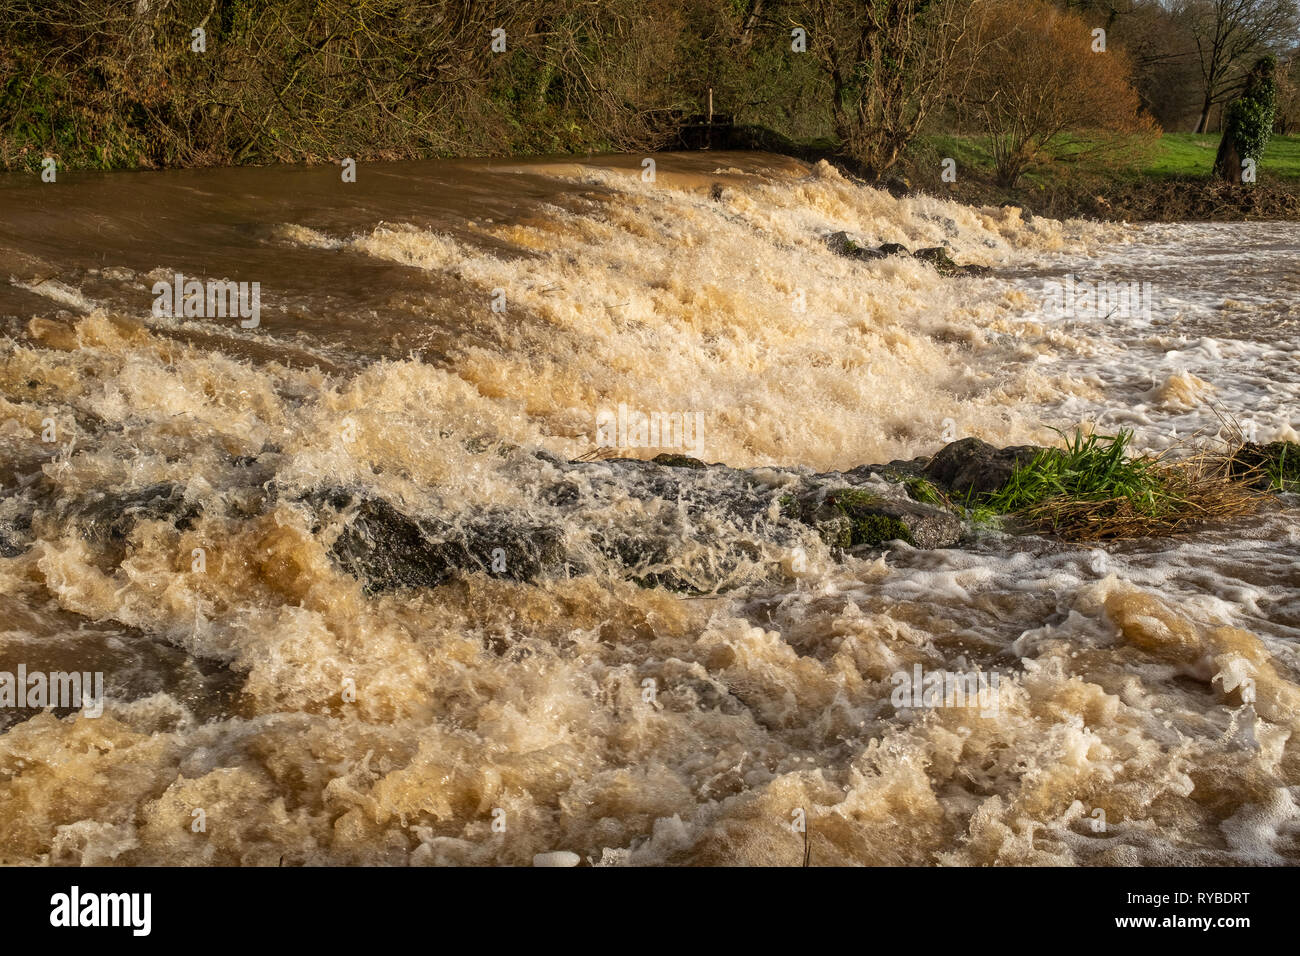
(1193, 154)
(1173, 154)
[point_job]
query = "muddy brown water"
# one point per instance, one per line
(248, 674)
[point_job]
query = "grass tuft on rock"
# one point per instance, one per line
(1271, 467)
(1092, 489)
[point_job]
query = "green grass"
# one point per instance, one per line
(1173, 154)
(925, 492)
(1192, 154)
(1092, 490)
(982, 516)
(1282, 470)
(1284, 474)
(1090, 468)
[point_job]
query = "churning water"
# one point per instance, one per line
(447, 338)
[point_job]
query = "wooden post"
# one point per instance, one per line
(708, 136)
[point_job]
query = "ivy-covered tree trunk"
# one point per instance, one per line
(1248, 124)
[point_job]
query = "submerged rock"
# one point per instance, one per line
(106, 519)
(678, 461)
(109, 518)
(13, 541)
(842, 244)
(674, 522)
(938, 257)
(387, 548)
(853, 518)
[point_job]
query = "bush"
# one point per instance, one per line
(1027, 75)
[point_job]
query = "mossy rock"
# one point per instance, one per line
(938, 257)
(850, 518)
(869, 522)
(842, 244)
(874, 530)
(679, 461)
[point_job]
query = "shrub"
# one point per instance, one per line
(1027, 75)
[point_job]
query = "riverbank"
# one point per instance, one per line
(1166, 179)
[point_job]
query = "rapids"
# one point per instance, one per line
(440, 335)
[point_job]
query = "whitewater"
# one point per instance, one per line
(447, 338)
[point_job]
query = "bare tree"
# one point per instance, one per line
(886, 61)
(1229, 35)
(1288, 95)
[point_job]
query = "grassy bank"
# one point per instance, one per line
(1140, 178)
(1137, 158)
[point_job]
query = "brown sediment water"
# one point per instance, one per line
(438, 335)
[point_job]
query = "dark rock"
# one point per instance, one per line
(387, 548)
(938, 257)
(897, 186)
(1271, 467)
(842, 244)
(896, 471)
(893, 249)
(11, 546)
(678, 461)
(108, 519)
(852, 518)
(972, 469)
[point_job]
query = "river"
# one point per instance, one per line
(445, 336)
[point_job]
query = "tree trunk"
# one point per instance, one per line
(747, 33)
(1227, 162)
(1203, 124)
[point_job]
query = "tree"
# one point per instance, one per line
(1227, 34)
(1288, 96)
(1249, 122)
(1030, 75)
(886, 62)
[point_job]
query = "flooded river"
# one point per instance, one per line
(447, 338)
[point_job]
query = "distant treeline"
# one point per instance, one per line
(111, 84)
